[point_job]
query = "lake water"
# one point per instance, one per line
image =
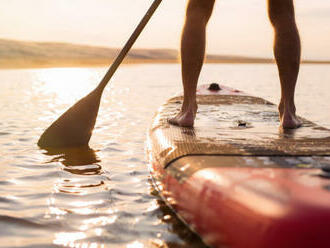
(102, 196)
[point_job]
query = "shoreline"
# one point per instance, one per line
(26, 64)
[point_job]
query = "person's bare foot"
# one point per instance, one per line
(186, 117)
(288, 117)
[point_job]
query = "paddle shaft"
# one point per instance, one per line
(129, 44)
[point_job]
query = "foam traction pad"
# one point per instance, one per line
(233, 125)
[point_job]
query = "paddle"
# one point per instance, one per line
(75, 126)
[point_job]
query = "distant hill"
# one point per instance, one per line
(24, 54)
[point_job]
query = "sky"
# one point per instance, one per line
(237, 27)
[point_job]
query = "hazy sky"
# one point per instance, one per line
(237, 26)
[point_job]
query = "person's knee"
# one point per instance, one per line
(201, 9)
(281, 13)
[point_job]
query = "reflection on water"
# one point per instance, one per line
(79, 193)
(78, 198)
(101, 196)
(77, 160)
(61, 83)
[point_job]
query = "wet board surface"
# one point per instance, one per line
(238, 179)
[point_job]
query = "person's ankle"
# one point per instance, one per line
(287, 106)
(189, 107)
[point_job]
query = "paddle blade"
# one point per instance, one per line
(75, 126)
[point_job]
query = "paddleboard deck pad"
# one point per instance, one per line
(239, 180)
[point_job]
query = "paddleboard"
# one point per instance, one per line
(236, 178)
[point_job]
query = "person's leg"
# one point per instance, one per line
(287, 56)
(192, 57)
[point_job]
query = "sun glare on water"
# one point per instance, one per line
(65, 85)
(135, 244)
(68, 239)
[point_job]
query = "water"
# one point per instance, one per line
(102, 196)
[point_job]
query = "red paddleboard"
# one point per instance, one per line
(237, 179)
